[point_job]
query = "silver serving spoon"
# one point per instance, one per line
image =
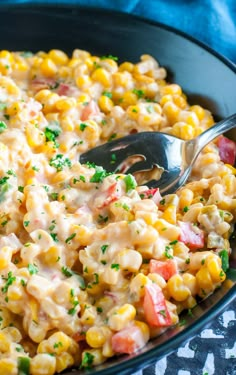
(172, 155)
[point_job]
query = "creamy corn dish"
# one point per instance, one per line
(92, 265)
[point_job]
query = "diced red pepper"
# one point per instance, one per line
(166, 269)
(128, 340)
(38, 84)
(227, 150)
(154, 305)
(153, 194)
(91, 109)
(111, 195)
(191, 235)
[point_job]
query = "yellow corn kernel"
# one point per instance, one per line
(121, 79)
(64, 361)
(96, 355)
(65, 104)
(120, 317)
(8, 366)
(143, 328)
(232, 169)
(4, 54)
(20, 66)
(48, 67)
(190, 303)
(183, 130)
(4, 343)
(204, 281)
(191, 282)
(170, 231)
(64, 72)
(73, 63)
(213, 264)
(172, 89)
(83, 81)
(177, 289)
(5, 257)
(229, 182)
(170, 214)
(137, 285)
(15, 292)
(42, 95)
(43, 361)
(59, 342)
(171, 111)
(88, 316)
(126, 66)
(166, 98)
(58, 57)
(95, 289)
(35, 137)
(129, 98)
(13, 109)
(186, 198)
(102, 76)
(96, 337)
(51, 255)
(133, 112)
(43, 347)
(200, 112)
(80, 54)
(83, 98)
(34, 307)
(105, 104)
(129, 260)
(180, 101)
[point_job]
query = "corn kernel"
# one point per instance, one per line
(102, 76)
(126, 66)
(96, 337)
(177, 289)
(48, 67)
(105, 104)
(58, 57)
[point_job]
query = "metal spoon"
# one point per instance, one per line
(174, 156)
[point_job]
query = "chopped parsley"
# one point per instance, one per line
(54, 196)
(26, 223)
(167, 252)
(107, 94)
(186, 209)
(104, 248)
(174, 242)
(163, 313)
(163, 201)
(83, 126)
(115, 266)
(111, 57)
(224, 259)
(130, 182)
(9, 281)
(54, 237)
(52, 131)
(67, 272)
(139, 93)
(21, 189)
(33, 269)
(87, 360)
(68, 240)
(4, 187)
(99, 174)
(113, 159)
(112, 136)
(59, 162)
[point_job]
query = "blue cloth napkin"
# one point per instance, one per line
(211, 21)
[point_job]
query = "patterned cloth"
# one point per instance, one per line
(212, 351)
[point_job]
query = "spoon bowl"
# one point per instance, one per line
(173, 156)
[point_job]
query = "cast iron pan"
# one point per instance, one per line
(207, 78)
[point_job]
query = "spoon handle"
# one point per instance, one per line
(194, 146)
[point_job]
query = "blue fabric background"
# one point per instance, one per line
(211, 21)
